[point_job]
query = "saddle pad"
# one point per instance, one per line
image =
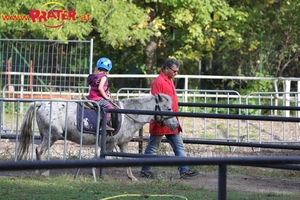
(88, 123)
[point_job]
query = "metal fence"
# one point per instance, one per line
(201, 128)
(273, 131)
(234, 130)
(62, 150)
(44, 62)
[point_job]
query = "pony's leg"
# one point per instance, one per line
(130, 175)
(39, 151)
(124, 149)
(42, 148)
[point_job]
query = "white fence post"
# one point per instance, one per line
(286, 95)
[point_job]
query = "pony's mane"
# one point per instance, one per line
(139, 102)
(150, 96)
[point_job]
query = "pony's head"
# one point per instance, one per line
(164, 103)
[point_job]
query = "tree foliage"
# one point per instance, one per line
(116, 23)
(269, 42)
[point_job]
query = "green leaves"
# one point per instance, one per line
(115, 21)
(233, 34)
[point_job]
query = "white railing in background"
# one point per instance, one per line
(187, 78)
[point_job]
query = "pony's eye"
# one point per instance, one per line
(169, 109)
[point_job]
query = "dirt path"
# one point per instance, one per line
(251, 184)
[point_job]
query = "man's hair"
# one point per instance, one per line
(170, 62)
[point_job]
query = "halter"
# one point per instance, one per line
(157, 108)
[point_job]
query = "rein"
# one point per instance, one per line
(113, 103)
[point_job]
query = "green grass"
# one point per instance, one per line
(65, 187)
(250, 171)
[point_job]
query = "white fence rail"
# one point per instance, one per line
(211, 129)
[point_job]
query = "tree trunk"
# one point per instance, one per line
(151, 47)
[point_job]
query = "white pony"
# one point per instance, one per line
(63, 123)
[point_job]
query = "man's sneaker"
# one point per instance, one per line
(189, 173)
(148, 174)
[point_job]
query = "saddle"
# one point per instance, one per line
(116, 118)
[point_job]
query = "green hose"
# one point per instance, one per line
(144, 195)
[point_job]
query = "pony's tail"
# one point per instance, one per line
(26, 131)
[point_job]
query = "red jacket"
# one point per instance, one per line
(163, 84)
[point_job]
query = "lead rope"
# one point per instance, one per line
(113, 103)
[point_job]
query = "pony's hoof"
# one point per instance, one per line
(43, 173)
(46, 173)
(133, 179)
